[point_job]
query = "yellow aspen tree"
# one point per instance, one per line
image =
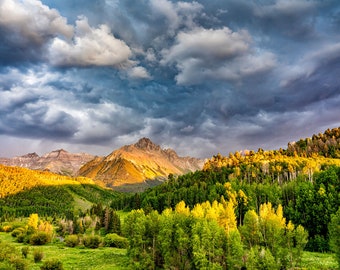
(279, 217)
(167, 212)
(272, 227)
(227, 217)
(33, 221)
(212, 211)
(198, 211)
(181, 208)
(231, 194)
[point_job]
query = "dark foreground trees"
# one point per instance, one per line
(334, 235)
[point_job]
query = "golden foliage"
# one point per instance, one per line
(15, 179)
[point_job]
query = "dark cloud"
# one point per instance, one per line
(197, 76)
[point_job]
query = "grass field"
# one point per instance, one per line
(318, 261)
(112, 258)
(75, 258)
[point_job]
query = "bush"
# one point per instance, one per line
(18, 231)
(92, 241)
(38, 255)
(6, 251)
(19, 264)
(5, 265)
(114, 240)
(24, 251)
(23, 238)
(40, 238)
(10, 259)
(7, 228)
(72, 240)
(52, 265)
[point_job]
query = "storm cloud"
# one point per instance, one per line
(199, 76)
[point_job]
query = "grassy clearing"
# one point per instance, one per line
(116, 259)
(75, 258)
(318, 261)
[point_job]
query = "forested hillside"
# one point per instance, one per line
(24, 191)
(308, 188)
(326, 144)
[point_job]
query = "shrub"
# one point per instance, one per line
(4, 265)
(6, 251)
(92, 241)
(114, 240)
(18, 231)
(23, 238)
(7, 228)
(40, 238)
(38, 255)
(72, 240)
(10, 259)
(24, 251)
(19, 263)
(53, 264)
(10, 227)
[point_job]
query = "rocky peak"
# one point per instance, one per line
(58, 161)
(172, 155)
(31, 155)
(134, 164)
(147, 144)
(56, 153)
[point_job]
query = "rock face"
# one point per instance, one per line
(59, 161)
(136, 163)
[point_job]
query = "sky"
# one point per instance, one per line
(200, 77)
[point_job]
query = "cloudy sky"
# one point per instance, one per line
(201, 77)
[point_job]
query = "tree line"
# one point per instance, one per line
(207, 237)
(307, 203)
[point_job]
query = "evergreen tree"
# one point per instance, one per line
(334, 235)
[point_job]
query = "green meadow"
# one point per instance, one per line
(79, 258)
(105, 258)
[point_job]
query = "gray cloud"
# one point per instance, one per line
(203, 54)
(198, 76)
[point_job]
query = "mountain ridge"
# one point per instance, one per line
(58, 161)
(136, 163)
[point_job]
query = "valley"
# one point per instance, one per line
(269, 208)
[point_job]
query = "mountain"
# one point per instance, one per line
(58, 161)
(137, 163)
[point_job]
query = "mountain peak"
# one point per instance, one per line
(147, 144)
(60, 151)
(30, 155)
(134, 164)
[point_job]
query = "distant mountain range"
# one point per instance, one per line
(58, 161)
(138, 163)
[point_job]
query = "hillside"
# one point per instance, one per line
(58, 161)
(326, 144)
(136, 163)
(308, 188)
(24, 191)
